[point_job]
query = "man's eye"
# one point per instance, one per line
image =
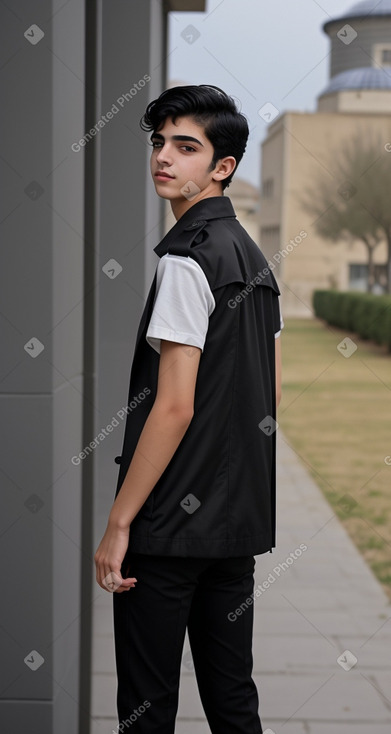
(155, 144)
(188, 147)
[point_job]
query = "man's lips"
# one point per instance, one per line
(162, 174)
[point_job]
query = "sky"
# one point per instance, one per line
(259, 52)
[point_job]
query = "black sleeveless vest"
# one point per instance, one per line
(217, 496)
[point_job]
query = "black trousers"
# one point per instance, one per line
(150, 622)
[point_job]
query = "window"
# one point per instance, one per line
(386, 57)
(358, 277)
(271, 234)
(268, 188)
(382, 54)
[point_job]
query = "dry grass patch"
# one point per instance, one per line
(336, 413)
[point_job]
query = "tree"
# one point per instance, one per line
(355, 202)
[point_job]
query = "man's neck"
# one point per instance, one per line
(181, 206)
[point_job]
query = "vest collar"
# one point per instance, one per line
(214, 207)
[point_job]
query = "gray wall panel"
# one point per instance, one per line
(131, 49)
(80, 209)
(41, 397)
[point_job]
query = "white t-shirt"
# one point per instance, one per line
(183, 303)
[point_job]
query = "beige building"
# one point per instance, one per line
(299, 147)
(245, 201)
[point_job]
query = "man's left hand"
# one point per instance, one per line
(108, 560)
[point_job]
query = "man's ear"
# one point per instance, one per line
(224, 168)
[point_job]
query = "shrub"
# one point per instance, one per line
(366, 314)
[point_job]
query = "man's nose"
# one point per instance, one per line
(163, 154)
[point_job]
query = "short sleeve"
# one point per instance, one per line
(183, 303)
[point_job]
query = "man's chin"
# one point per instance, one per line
(170, 196)
(165, 192)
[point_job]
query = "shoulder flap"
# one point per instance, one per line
(222, 255)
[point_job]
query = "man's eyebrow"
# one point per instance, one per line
(178, 137)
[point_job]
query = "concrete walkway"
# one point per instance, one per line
(321, 606)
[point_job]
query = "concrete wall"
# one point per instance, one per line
(77, 194)
(129, 218)
(41, 391)
(59, 228)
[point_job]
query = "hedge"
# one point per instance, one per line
(366, 314)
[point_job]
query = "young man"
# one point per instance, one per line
(195, 499)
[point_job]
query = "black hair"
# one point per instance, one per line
(224, 126)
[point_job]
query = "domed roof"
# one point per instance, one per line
(362, 78)
(365, 9)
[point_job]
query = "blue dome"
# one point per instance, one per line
(363, 78)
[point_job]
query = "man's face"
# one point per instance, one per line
(180, 161)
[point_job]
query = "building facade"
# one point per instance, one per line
(299, 146)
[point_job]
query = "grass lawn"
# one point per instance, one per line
(336, 413)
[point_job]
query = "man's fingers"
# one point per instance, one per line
(112, 581)
(128, 583)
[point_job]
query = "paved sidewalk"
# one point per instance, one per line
(321, 605)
